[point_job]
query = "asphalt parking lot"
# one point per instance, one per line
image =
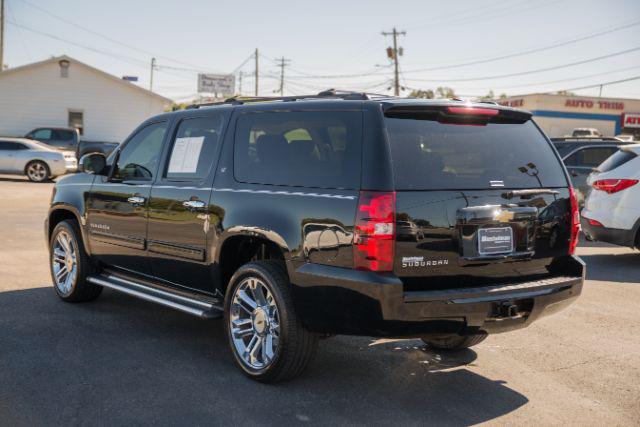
(121, 361)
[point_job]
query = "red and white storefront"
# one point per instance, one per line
(558, 115)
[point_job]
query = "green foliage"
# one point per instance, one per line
(425, 94)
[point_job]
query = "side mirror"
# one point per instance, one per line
(93, 163)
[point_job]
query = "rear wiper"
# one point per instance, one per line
(527, 194)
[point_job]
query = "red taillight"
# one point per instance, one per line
(374, 237)
(613, 185)
(575, 221)
(473, 111)
(595, 223)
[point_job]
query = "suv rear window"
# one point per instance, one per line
(319, 149)
(617, 159)
(428, 155)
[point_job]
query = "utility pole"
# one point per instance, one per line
(240, 82)
(1, 35)
(394, 53)
(283, 63)
(256, 76)
(153, 65)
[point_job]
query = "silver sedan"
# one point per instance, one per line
(39, 162)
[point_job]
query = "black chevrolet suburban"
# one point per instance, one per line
(297, 218)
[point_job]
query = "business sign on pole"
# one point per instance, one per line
(220, 84)
(631, 120)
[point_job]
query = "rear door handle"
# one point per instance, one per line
(194, 204)
(136, 200)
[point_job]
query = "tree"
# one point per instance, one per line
(445, 92)
(488, 97)
(419, 93)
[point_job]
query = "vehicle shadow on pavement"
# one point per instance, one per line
(613, 267)
(16, 179)
(119, 360)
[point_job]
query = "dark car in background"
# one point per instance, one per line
(68, 139)
(582, 155)
(339, 213)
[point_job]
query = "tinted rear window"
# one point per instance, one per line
(618, 158)
(428, 155)
(305, 149)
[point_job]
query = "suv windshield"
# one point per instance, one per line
(428, 155)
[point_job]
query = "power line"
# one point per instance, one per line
(538, 70)
(121, 57)
(601, 84)
(570, 79)
(532, 50)
(112, 40)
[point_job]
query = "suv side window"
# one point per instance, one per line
(194, 147)
(43, 134)
(63, 135)
(590, 157)
(318, 149)
(139, 158)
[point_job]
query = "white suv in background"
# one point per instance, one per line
(612, 210)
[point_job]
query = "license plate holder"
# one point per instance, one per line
(496, 240)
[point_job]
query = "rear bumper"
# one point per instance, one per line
(343, 301)
(616, 236)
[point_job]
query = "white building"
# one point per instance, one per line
(63, 91)
(558, 115)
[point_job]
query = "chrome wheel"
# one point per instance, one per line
(37, 171)
(254, 324)
(64, 262)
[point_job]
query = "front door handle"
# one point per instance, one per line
(194, 204)
(136, 200)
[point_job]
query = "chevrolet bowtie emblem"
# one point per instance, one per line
(503, 216)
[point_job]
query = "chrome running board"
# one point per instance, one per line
(199, 307)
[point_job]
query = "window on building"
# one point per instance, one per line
(76, 120)
(64, 68)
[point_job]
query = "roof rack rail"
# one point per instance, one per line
(330, 93)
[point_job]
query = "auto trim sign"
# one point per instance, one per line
(588, 103)
(631, 120)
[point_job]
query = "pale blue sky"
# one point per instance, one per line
(329, 38)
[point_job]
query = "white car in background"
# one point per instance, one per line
(612, 210)
(39, 162)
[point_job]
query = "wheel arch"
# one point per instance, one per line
(240, 245)
(63, 212)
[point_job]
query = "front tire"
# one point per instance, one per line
(37, 171)
(70, 264)
(454, 341)
(267, 340)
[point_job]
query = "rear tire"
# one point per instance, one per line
(267, 339)
(37, 171)
(70, 265)
(454, 341)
